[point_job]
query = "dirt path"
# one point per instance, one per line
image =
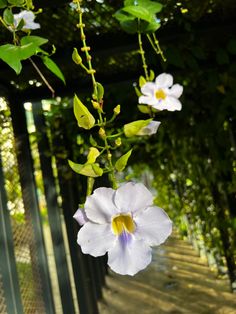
(178, 281)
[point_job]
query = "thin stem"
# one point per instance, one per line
(43, 77)
(112, 170)
(86, 49)
(152, 44)
(158, 47)
(4, 24)
(142, 52)
(115, 135)
(91, 71)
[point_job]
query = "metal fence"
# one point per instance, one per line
(42, 269)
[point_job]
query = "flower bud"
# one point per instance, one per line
(102, 133)
(118, 141)
(116, 110)
(95, 105)
(76, 57)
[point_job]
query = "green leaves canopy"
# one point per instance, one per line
(139, 16)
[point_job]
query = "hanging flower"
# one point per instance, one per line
(124, 223)
(162, 94)
(28, 18)
(150, 129)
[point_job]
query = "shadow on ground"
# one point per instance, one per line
(178, 281)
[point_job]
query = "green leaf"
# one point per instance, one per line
(27, 51)
(92, 141)
(53, 67)
(92, 155)
(16, 2)
(153, 7)
(130, 26)
(13, 55)
(122, 16)
(122, 161)
(150, 27)
(142, 81)
(144, 109)
(20, 25)
(8, 16)
(138, 12)
(83, 116)
(3, 4)
(88, 170)
(132, 128)
(151, 75)
(100, 91)
(36, 40)
(137, 91)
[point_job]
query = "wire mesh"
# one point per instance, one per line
(3, 308)
(21, 222)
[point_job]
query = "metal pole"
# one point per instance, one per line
(53, 211)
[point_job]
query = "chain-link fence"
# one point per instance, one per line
(21, 223)
(3, 308)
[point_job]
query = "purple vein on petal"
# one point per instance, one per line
(125, 238)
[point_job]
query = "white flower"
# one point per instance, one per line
(162, 94)
(28, 17)
(149, 129)
(124, 223)
(73, 6)
(80, 216)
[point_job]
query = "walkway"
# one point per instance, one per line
(178, 281)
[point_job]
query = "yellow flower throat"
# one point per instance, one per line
(123, 222)
(160, 94)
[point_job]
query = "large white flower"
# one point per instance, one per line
(125, 224)
(162, 94)
(28, 18)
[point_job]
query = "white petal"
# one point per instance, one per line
(148, 89)
(150, 129)
(172, 104)
(132, 197)
(164, 80)
(27, 15)
(153, 225)
(148, 100)
(131, 258)
(95, 239)
(99, 207)
(176, 91)
(80, 216)
(31, 25)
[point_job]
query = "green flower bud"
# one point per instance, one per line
(76, 57)
(116, 110)
(118, 141)
(102, 133)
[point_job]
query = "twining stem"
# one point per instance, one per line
(155, 45)
(43, 77)
(158, 47)
(91, 71)
(86, 49)
(142, 52)
(3, 23)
